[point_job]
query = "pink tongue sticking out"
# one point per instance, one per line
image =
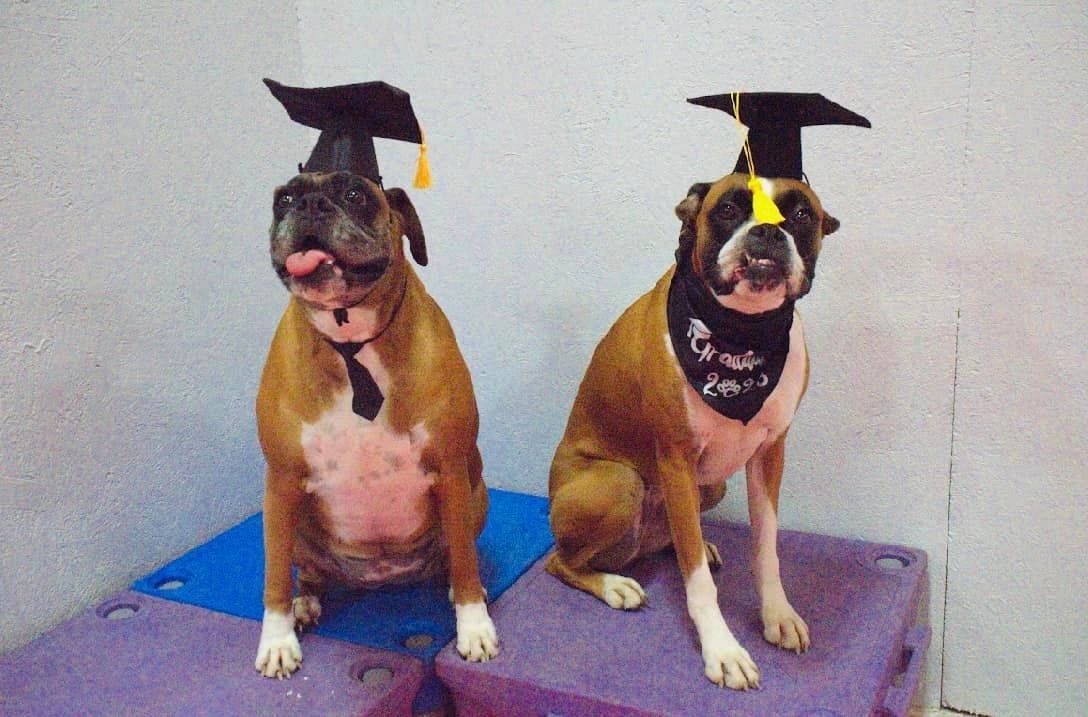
(303, 263)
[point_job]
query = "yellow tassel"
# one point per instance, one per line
(423, 169)
(763, 207)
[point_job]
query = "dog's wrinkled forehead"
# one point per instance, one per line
(345, 189)
(733, 189)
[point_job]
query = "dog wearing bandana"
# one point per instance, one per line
(699, 377)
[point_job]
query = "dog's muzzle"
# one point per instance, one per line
(313, 254)
(767, 257)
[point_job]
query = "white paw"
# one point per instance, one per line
(477, 640)
(782, 626)
(727, 664)
(307, 611)
(623, 593)
(278, 654)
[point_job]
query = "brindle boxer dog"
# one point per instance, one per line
(366, 416)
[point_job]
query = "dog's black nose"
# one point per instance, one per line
(314, 204)
(767, 232)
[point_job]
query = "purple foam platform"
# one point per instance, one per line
(566, 654)
(166, 658)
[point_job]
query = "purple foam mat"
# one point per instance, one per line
(139, 655)
(566, 654)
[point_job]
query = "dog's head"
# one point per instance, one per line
(336, 236)
(759, 265)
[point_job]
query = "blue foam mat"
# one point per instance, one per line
(226, 575)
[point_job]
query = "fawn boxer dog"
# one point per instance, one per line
(698, 377)
(366, 417)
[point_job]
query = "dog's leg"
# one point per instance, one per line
(592, 518)
(480, 500)
(725, 662)
(480, 503)
(477, 640)
(279, 653)
(782, 625)
(710, 496)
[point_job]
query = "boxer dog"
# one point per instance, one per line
(366, 417)
(644, 452)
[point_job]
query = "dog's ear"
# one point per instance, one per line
(687, 210)
(689, 205)
(830, 224)
(409, 223)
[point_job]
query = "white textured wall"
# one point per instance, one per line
(136, 296)
(1018, 579)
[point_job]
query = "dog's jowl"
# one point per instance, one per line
(365, 411)
(698, 378)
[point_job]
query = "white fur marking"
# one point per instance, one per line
(702, 594)
(724, 444)
(731, 253)
(725, 662)
(362, 324)
(368, 478)
(797, 265)
(278, 653)
(476, 637)
(623, 593)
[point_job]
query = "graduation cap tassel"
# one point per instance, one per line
(423, 167)
(763, 207)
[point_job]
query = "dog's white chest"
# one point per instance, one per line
(724, 444)
(367, 477)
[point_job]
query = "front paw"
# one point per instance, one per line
(727, 664)
(782, 626)
(477, 640)
(279, 653)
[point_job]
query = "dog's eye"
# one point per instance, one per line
(285, 200)
(802, 215)
(354, 196)
(727, 212)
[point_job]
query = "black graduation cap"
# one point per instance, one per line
(350, 117)
(774, 121)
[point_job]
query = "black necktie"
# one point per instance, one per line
(367, 399)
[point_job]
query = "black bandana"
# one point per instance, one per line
(732, 360)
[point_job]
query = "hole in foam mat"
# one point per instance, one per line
(170, 583)
(120, 611)
(892, 562)
(373, 675)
